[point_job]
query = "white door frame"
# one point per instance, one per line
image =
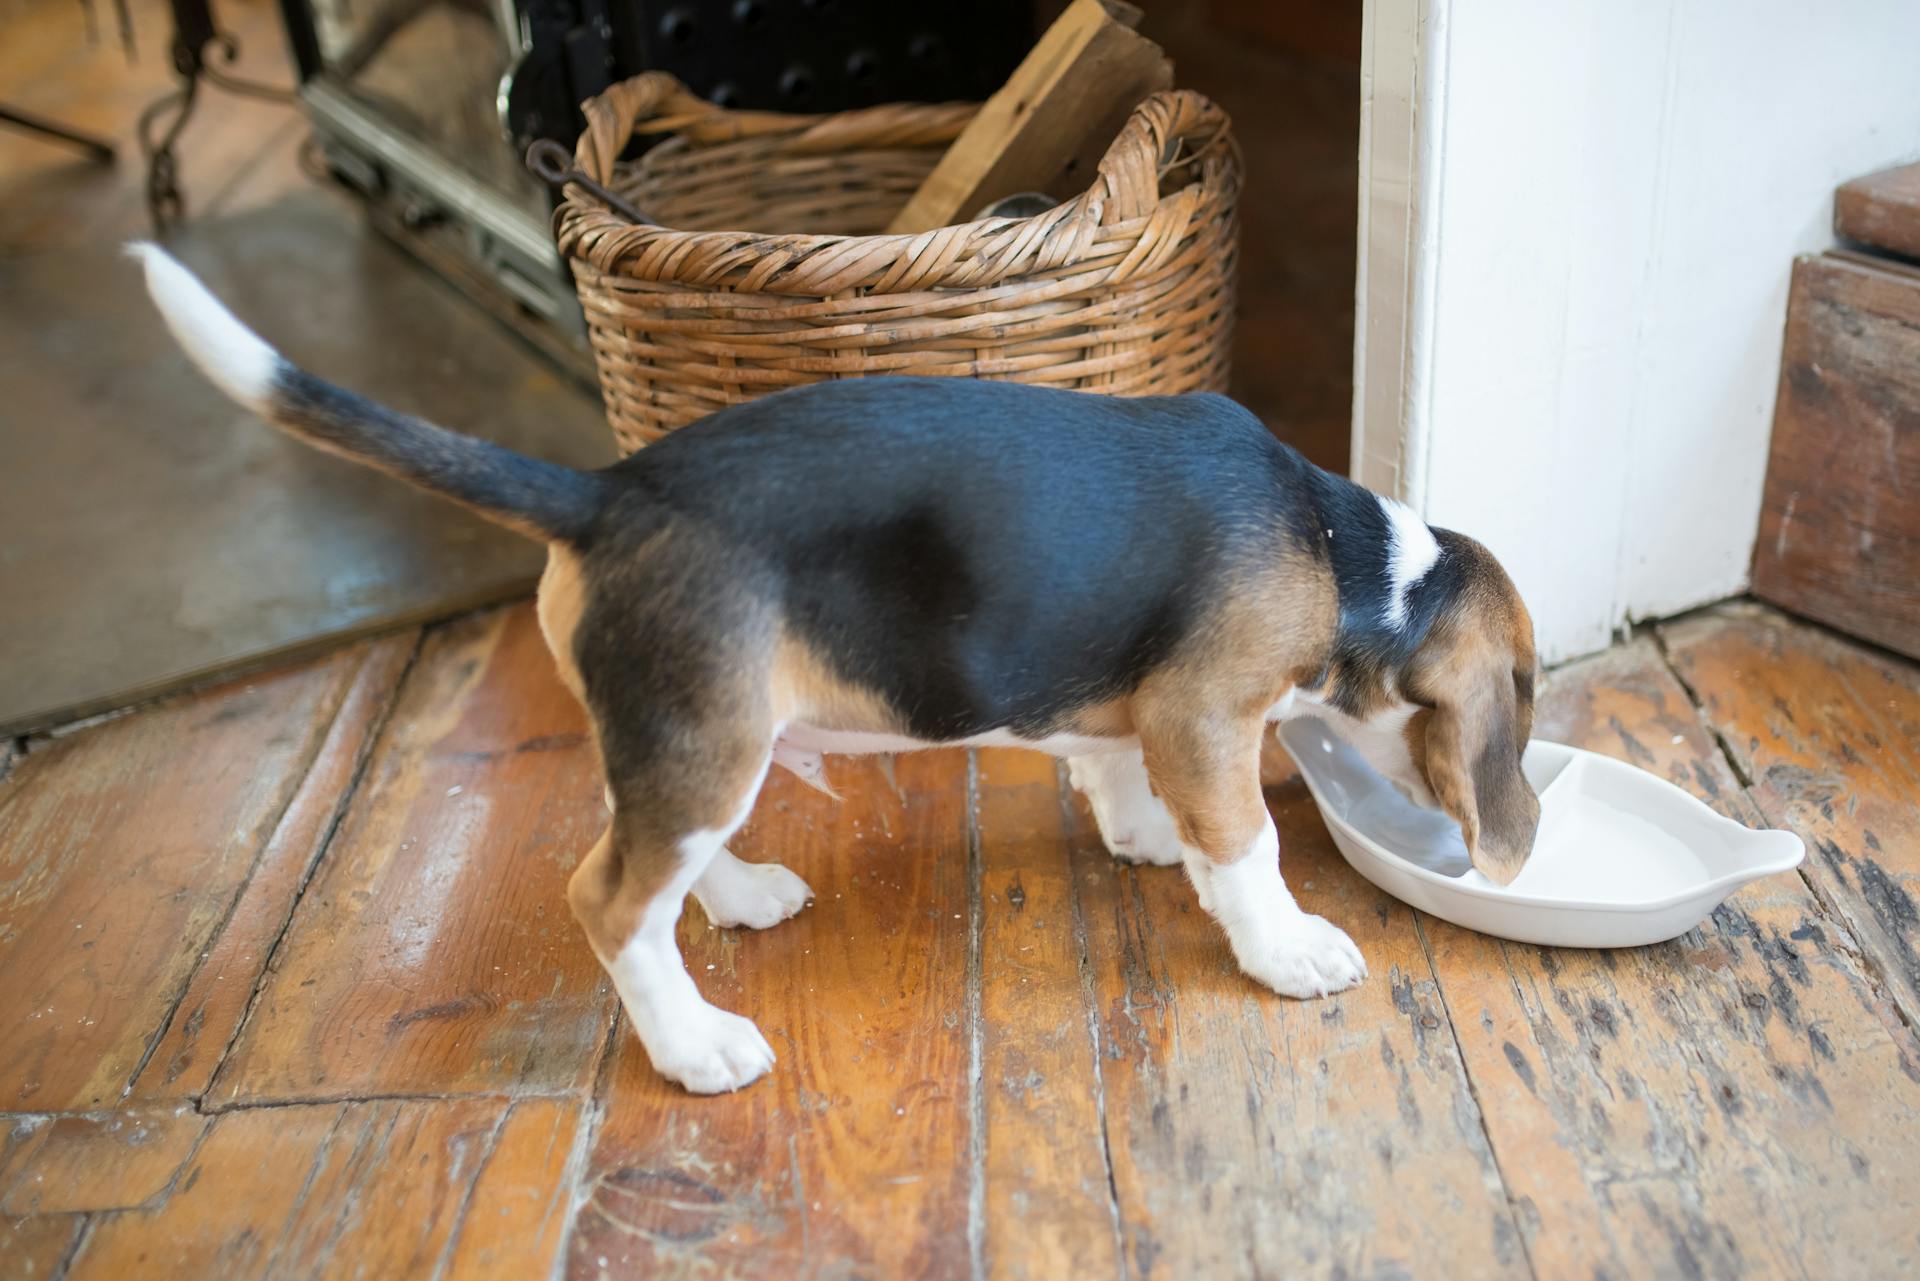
(1576, 228)
(1400, 149)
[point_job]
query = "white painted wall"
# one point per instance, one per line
(1577, 224)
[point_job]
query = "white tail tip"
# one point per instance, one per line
(227, 351)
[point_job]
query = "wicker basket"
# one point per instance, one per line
(1126, 288)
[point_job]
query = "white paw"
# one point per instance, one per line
(1310, 956)
(712, 1052)
(1132, 847)
(1133, 822)
(754, 895)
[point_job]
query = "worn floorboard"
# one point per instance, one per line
(1722, 1105)
(381, 1188)
(125, 847)
(1829, 733)
(1001, 1053)
(33, 1249)
(216, 999)
(521, 1205)
(1253, 1136)
(434, 953)
(855, 1158)
(1048, 1206)
(107, 1161)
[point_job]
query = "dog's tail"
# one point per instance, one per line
(537, 498)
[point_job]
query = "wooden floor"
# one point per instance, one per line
(288, 986)
(291, 989)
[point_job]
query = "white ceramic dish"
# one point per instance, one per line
(1622, 858)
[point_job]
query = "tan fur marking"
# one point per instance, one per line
(1415, 732)
(695, 781)
(1111, 719)
(561, 602)
(607, 903)
(1270, 629)
(1201, 716)
(806, 689)
(1207, 772)
(641, 851)
(1480, 719)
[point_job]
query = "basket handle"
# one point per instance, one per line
(655, 102)
(1148, 147)
(1169, 130)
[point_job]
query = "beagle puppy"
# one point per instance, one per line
(875, 565)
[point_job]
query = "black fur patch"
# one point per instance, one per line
(982, 554)
(542, 496)
(1367, 649)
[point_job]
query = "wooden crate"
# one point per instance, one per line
(1881, 210)
(1840, 521)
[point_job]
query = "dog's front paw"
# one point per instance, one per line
(754, 895)
(713, 1052)
(1310, 957)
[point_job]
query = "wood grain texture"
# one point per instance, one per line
(216, 1000)
(1881, 210)
(1840, 524)
(1002, 1054)
(1729, 1104)
(229, 1215)
(853, 1158)
(33, 1249)
(368, 1189)
(18, 1139)
(385, 1194)
(522, 1198)
(1829, 733)
(434, 952)
(1256, 1136)
(1048, 126)
(125, 847)
(111, 1161)
(1048, 1209)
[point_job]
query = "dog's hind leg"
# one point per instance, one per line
(672, 817)
(672, 659)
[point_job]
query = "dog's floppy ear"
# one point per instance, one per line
(1474, 739)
